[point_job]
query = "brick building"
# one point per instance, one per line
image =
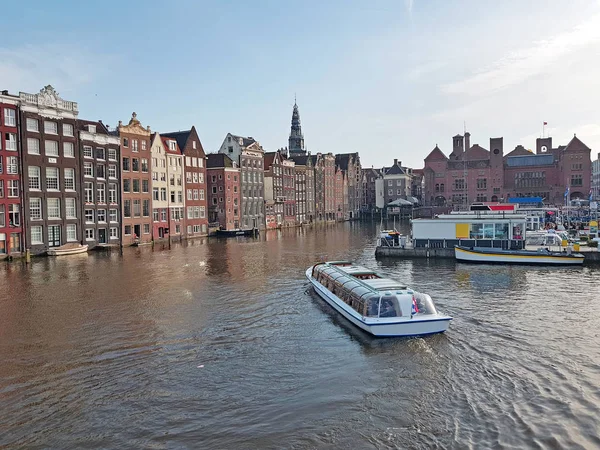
(274, 189)
(136, 178)
(289, 192)
(176, 196)
(196, 218)
(100, 211)
(224, 193)
(51, 170)
(160, 203)
(472, 173)
(11, 228)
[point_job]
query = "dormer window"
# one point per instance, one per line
(91, 128)
(171, 145)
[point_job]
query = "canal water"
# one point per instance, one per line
(222, 344)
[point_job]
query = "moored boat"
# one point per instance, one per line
(67, 249)
(541, 256)
(237, 232)
(380, 306)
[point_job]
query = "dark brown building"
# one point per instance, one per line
(224, 193)
(50, 164)
(136, 178)
(101, 182)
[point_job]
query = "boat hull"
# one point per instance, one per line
(381, 327)
(234, 233)
(66, 252)
(464, 254)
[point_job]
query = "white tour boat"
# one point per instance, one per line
(378, 305)
(541, 256)
(68, 249)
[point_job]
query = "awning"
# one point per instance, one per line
(412, 199)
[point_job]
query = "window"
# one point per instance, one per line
(194, 162)
(126, 144)
(87, 152)
(179, 196)
(88, 169)
(201, 177)
(577, 180)
(146, 208)
(136, 185)
(1, 188)
(114, 233)
(71, 232)
(101, 191)
(89, 192)
(112, 193)
(51, 148)
(70, 208)
(188, 177)
(202, 212)
(112, 154)
(481, 183)
(195, 194)
(33, 146)
(135, 164)
(34, 178)
(214, 189)
(127, 230)
(172, 196)
(201, 192)
(36, 235)
(137, 208)
(126, 164)
(89, 215)
(100, 171)
(33, 125)
(163, 194)
(70, 179)
(145, 186)
(67, 129)
(189, 194)
(126, 185)
(134, 145)
(53, 208)
(13, 188)
(163, 215)
(11, 141)
(101, 214)
(146, 228)
(127, 210)
(155, 215)
(112, 171)
(14, 215)
(460, 184)
(35, 208)
(144, 165)
(50, 127)
(155, 194)
(100, 153)
(68, 150)
(143, 145)
(194, 145)
(89, 234)
(113, 215)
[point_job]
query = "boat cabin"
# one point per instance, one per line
(369, 293)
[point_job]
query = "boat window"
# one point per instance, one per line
(423, 304)
(501, 231)
(476, 231)
(389, 307)
(373, 307)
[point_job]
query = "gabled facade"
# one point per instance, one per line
(136, 178)
(274, 189)
(100, 209)
(304, 188)
(397, 182)
(289, 192)
(324, 187)
(339, 194)
(160, 204)
(11, 212)
(368, 185)
(196, 217)
(350, 164)
(51, 170)
(176, 192)
(224, 193)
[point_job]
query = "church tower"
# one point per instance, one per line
(296, 140)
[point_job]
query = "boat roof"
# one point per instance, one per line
(378, 284)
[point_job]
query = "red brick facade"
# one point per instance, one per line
(224, 191)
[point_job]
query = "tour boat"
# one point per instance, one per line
(237, 232)
(541, 256)
(378, 305)
(67, 249)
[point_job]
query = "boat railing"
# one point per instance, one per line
(506, 244)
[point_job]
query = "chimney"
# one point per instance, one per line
(395, 161)
(4, 92)
(467, 140)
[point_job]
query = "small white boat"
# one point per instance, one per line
(541, 256)
(67, 249)
(378, 305)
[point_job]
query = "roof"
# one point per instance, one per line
(100, 127)
(343, 159)
(246, 141)
(575, 144)
(476, 152)
(166, 140)
(218, 160)
(399, 202)
(300, 160)
(396, 169)
(436, 155)
(519, 151)
(269, 159)
(180, 136)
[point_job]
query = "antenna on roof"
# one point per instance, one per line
(465, 126)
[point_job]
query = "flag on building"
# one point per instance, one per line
(590, 196)
(545, 123)
(567, 192)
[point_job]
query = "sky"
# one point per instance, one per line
(389, 79)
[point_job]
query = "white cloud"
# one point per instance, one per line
(30, 67)
(527, 62)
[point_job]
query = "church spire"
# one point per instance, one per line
(296, 140)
